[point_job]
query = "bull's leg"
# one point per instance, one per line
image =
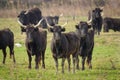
(74, 58)
(69, 63)
(30, 59)
(56, 63)
(89, 58)
(74, 65)
(12, 54)
(4, 54)
(63, 61)
(83, 63)
(77, 63)
(37, 61)
(98, 33)
(43, 56)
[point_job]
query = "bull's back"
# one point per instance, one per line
(37, 12)
(112, 20)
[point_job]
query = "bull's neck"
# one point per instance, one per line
(77, 32)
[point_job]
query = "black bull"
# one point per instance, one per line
(96, 20)
(7, 39)
(36, 41)
(31, 16)
(63, 45)
(86, 42)
(111, 23)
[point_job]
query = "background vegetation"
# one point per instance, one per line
(106, 54)
(11, 8)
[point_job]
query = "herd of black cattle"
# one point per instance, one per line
(77, 43)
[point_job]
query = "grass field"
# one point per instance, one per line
(106, 58)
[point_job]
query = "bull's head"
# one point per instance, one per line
(23, 27)
(82, 29)
(31, 33)
(30, 30)
(96, 13)
(23, 17)
(56, 19)
(56, 30)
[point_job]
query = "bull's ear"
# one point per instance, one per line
(23, 29)
(36, 29)
(50, 29)
(63, 29)
(77, 26)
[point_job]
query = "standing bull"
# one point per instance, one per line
(96, 20)
(86, 42)
(63, 45)
(7, 39)
(111, 23)
(36, 41)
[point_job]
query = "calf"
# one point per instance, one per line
(7, 39)
(63, 45)
(36, 41)
(86, 43)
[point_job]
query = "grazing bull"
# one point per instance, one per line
(63, 45)
(36, 41)
(32, 16)
(96, 20)
(86, 43)
(111, 23)
(7, 39)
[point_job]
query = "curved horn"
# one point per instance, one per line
(38, 23)
(89, 21)
(21, 24)
(101, 7)
(26, 12)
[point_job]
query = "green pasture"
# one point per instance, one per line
(106, 58)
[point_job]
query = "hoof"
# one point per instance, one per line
(83, 69)
(29, 67)
(36, 67)
(90, 67)
(43, 66)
